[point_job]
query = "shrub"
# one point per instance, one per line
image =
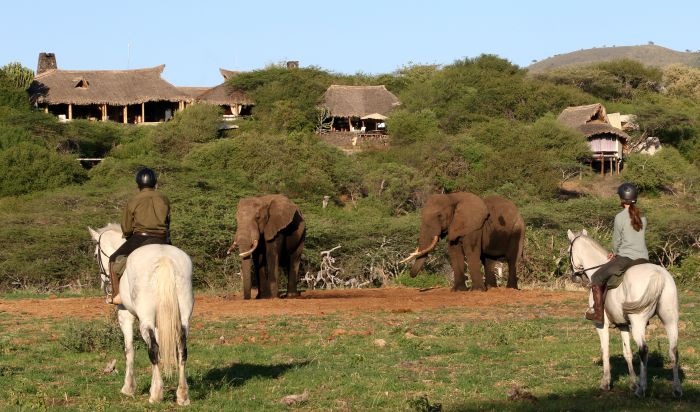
(665, 170)
(198, 123)
(410, 127)
(28, 168)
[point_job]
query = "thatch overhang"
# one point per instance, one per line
(112, 87)
(596, 129)
(358, 101)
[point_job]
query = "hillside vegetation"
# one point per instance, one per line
(481, 125)
(648, 55)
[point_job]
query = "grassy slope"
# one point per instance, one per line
(649, 55)
(445, 355)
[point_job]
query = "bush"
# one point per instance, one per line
(198, 123)
(666, 170)
(410, 127)
(28, 168)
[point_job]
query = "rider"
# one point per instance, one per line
(628, 245)
(146, 221)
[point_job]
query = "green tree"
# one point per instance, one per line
(17, 75)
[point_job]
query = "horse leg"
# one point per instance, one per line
(604, 335)
(627, 353)
(126, 322)
(639, 324)
(669, 317)
(182, 388)
(149, 336)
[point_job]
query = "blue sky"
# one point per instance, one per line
(196, 38)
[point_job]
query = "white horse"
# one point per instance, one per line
(646, 290)
(156, 288)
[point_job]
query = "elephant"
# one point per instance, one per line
(503, 236)
(270, 233)
(460, 217)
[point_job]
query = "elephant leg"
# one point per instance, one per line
(456, 255)
(490, 272)
(512, 272)
(263, 281)
(471, 248)
(273, 263)
(294, 262)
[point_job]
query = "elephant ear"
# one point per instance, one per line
(281, 214)
(467, 218)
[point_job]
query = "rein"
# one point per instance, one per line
(582, 270)
(103, 272)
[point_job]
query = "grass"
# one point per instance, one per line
(432, 360)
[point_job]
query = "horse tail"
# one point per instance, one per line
(649, 297)
(168, 325)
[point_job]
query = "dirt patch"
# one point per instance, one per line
(396, 300)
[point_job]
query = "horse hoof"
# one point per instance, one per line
(677, 392)
(639, 393)
(128, 391)
(183, 402)
(605, 386)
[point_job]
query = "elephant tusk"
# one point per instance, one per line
(249, 252)
(233, 246)
(419, 253)
(410, 257)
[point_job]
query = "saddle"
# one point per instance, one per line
(616, 279)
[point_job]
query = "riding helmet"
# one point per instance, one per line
(627, 193)
(146, 178)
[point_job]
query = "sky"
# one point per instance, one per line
(196, 38)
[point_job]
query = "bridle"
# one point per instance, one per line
(103, 272)
(580, 270)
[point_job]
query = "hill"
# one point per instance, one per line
(649, 55)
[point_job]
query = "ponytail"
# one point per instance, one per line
(635, 217)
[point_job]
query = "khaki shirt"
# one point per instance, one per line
(147, 211)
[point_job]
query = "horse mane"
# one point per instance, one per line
(593, 244)
(110, 227)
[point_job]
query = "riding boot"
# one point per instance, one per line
(597, 314)
(114, 278)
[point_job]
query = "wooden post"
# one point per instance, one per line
(602, 165)
(104, 112)
(143, 112)
(611, 166)
(46, 108)
(181, 105)
(125, 115)
(70, 111)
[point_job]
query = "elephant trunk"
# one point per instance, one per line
(247, 275)
(420, 254)
(250, 251)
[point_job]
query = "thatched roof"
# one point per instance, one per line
(193, 92)
(590, 120)
(228, 73)
(358, 101)
(113, 87)
(225, 94)
(579, 115)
